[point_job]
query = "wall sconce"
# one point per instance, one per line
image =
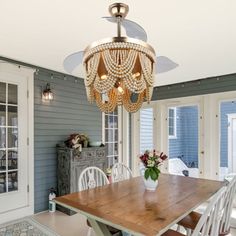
(47, 93)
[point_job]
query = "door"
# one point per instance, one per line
(13, 143)
(184, 138)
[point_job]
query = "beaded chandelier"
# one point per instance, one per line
(119, 70)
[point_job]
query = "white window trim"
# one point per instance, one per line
(174, 136)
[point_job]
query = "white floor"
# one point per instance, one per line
(63, 224)
(75, 225)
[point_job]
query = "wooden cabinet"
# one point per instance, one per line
(70, 164)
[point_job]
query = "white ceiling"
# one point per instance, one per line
(199, 35)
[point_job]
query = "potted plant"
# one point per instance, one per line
(151, 168)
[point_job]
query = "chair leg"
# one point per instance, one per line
(189, 232)
(89, 231)
(178, 228)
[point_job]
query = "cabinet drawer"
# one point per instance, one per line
(88, 154)
(100, 153)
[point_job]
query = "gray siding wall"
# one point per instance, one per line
(69, 112)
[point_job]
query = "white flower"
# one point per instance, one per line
(150, 163)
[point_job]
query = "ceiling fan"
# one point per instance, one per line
(73, 62)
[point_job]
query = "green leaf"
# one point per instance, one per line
(146, 174)
(153, 173)
(157, 171)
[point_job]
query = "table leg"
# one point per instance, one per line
(99, 228)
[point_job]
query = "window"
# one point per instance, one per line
(111, 136)
(172, 122)
(146, 129)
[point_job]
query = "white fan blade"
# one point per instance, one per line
(72, 61)
(164, 64)
(132, 29)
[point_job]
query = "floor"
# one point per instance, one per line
(63, 224)
(75, 225)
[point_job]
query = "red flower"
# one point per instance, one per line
(163, 156)
(155, 156)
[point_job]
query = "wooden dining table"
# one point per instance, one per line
(127, 206)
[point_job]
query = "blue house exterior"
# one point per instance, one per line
(185, 145)
(226, 108)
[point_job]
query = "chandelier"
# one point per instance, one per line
(119, 70)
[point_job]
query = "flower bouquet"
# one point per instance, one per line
(151, 162)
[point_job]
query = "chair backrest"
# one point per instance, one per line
(228, 204)
(120, 172)
(92, 177)
(208, 225)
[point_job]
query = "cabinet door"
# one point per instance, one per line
(100, 163)
(63, 172)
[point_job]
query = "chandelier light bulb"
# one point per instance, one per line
(136, 75)
(103, 77)
(120, 90)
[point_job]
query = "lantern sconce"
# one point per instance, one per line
(47, 93)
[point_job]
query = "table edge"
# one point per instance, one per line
(98, 218)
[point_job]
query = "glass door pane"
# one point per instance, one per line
(183, 133)
(8, 138)
(227, 138)
(146, 129)
(111, 137)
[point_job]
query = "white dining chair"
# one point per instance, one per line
(89, 178)
(120, 172)
(190, 221)
(228, 206)
(92, 177)
(209, 222)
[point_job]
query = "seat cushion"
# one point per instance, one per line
(171, 232)
(191, 220)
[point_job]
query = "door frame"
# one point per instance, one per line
(160, 129)
(181, 102)
(14, 70)
(135, 134)
(216, 100)
(230, 146)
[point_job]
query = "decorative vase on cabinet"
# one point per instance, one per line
(71, 162)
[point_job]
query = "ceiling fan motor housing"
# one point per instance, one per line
(119, 10)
